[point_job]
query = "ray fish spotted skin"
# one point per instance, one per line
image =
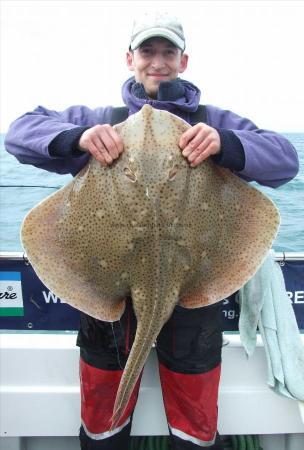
(152, 227)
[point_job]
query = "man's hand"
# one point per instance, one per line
(200, 142)
(103, 142)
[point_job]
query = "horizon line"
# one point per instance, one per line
(275, 131)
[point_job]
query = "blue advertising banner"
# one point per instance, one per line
(26, 304)
(42, 310)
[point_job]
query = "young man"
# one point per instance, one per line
(189, 345)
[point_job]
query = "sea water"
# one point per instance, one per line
(23, 186)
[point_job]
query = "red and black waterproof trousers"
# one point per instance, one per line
(189, 354)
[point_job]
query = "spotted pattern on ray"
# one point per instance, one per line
(150, 226)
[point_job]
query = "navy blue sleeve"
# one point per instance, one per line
(66, 143)
(232, 155)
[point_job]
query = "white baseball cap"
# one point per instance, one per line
(157, 25)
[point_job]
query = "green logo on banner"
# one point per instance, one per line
(11, 301)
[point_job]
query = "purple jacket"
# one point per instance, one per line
(49, 139)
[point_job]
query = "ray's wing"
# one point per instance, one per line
(64, 238)
(232, 226)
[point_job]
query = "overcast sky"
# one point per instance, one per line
(246, 56)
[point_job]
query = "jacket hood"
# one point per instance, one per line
(178, 96)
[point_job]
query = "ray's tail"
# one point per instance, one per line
(146, 334)
(144, 339)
